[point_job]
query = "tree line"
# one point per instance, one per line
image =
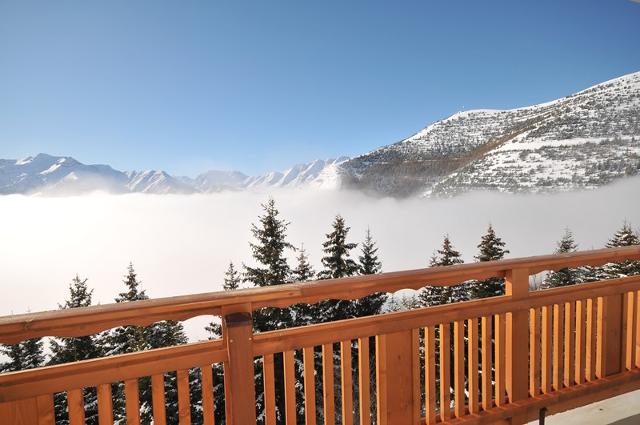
(269, 249)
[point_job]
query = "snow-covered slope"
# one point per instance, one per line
(580, 141)
(47, 173)
(153, 181)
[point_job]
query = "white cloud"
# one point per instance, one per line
(182, 244)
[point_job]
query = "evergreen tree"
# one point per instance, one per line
(272, 269)
(436, 295)
(304, 272)
(625, 236)
(491, 248)
(337, 264)
(129, 339)
(566, 276)
(67, 350)
(369, 264)
(27, 354)
(231, 283)
(231, 278)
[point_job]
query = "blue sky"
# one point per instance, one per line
(191, 85)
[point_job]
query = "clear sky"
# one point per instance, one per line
(190, 85)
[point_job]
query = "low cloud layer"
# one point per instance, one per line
(182, 244)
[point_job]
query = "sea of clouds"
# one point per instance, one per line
(182, 244)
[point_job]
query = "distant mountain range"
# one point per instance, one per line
(584, 140)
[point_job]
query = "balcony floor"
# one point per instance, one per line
(620, 410)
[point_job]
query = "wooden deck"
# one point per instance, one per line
(496, 360)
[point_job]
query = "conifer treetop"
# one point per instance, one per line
(369, 262)
(337, 262)
(231, 278)
(268, 249)
(446, 256)
(133, 285)
(491, 247)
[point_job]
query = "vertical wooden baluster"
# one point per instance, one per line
(445, 370)
(569, 343)
(430, 374)
(500, 361)
(208, 405)
(309, 386)
(636, 356)
(75, 401)
(558, 361)
(487, 363)
(289, 387)
(237, 331)
(105, 405)
(590, 340)
(269, 389)
(364, 380)
(46, 413)
(629, 337)
(547, 349)
(624, 331)
(327, 385)
(472, 355)
(458, 368)
(580, 341)
(601, 338)
(157, 399)
(184, 402)
(346, 382)
(132, 401)
(415, 375)
(534, 352)
(226, 372)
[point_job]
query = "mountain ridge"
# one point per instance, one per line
(580, 141)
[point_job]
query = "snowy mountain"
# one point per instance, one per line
(584, 140)
(55, 174)
(581, 141)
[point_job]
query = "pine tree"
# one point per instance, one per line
(27, 354)
(337, 261)
(436, 295)
(129, 339)
(231, 283)
(67, 350)
(625, 236)
(231, 278)
(491, 248)
(272, 269)
(337, 264)
(369, 264)
(304, 272)
(566, 276)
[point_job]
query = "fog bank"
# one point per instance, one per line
(182, 244)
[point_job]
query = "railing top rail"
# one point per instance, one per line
(89, 320)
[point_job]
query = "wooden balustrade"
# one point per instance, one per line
(495, 360)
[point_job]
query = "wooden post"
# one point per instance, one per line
(517, 349)
(238, 335)
(395, 377)
(612, 323)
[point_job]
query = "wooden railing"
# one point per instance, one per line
(495, 360)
